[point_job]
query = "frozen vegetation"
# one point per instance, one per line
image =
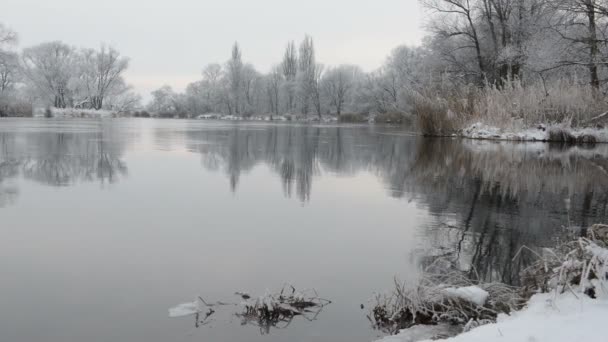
(271, 310)
(547, 317)
(563, 296)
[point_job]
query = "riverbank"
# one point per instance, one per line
(547, 317)
(562, 296)
(542, 133)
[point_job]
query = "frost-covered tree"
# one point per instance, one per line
(50, 68)
(121, 98)
(9, 70)
(309, 72)
(234, 69)
(7, 36)
(101, 71)
(338, 85)
(273, 82)
(583, 25)
(9, 65)
(166, 102)
(290, 70)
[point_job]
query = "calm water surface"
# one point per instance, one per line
(105, 225)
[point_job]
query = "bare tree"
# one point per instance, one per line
(583, 24)
(235, 76)
(307, 75)
(7, 36)
(290, 69)
(50, 67)
(338, 84)
(273, 88)
(459, 22)
(9, 70)
(101, 70)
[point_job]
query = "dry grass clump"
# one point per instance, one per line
(512, 105)
(580, 264)
(278, 310)
(430, 302)
(560, 101)
(439, 114)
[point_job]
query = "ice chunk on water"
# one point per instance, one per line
(187, 309)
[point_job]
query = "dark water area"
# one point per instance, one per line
(105, 225)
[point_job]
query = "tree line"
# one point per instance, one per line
(62, 76)
(471, 44)
(555, 52)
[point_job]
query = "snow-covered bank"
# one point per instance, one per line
(280, 118)
(547, 317)
(541, 133)
(567, 291)
(73, 113)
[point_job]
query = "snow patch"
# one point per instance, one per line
(541, 133)
(472, 294)
(74, 113)
(562, 318)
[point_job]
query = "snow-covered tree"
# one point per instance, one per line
(50, 68)
(338, 85)
(101, 71)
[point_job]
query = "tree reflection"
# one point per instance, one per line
(58, 159)
(299, 153)
(487, 199)
(504, 196)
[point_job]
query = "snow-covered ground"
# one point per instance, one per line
(482, 131)
(74, 113)
(547, 318)
(286, 117)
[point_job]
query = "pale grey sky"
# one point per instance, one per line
(170, 41)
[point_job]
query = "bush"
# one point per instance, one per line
(352, 118)
(580, 263)
(432, 301)
(436, 116)
(16, 109)
(561, 135)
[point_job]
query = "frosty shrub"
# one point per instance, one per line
(434, 299)
(578, 265)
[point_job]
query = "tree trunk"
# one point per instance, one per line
(593, 46)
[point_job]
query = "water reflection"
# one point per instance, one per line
(501, 197)
(58, 159)
(370, 196)
(488, 199)
(299, 153)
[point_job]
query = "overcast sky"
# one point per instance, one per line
(170, 41)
